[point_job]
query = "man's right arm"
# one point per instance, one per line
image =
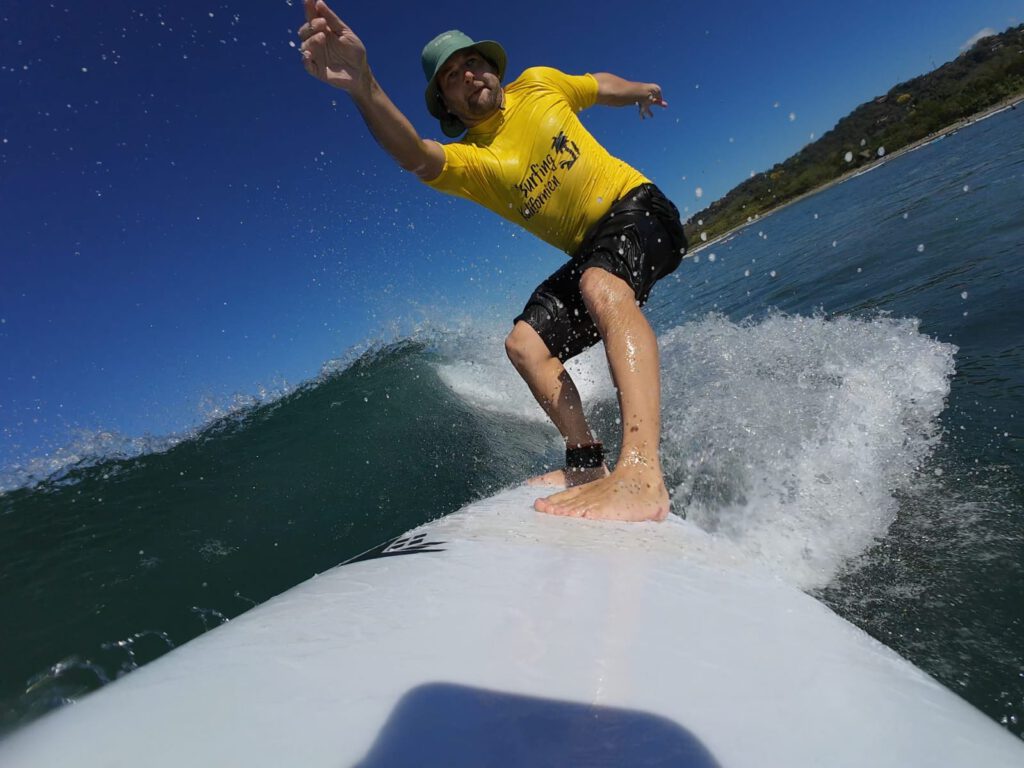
(331, 52)
(395, 133)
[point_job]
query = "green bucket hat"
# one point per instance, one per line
(436, 53)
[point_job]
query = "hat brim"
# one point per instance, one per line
(451, 125)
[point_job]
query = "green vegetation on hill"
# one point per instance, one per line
(990, 72)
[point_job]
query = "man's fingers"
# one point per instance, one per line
(308, 63)
(656, 96)
(309, 6)
(313, 45)
(336, 25)
(314, 64)
(653, 98)
(313, 27)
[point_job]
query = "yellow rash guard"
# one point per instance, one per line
(535, 164)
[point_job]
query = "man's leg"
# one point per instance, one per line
(554, 389)
(635, 490)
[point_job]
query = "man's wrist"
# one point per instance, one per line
(364, 90)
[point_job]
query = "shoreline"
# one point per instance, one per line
(1002, 106)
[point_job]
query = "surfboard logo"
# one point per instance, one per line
(403, 545)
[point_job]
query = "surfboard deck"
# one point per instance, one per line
(500, 636)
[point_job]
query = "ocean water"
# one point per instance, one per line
(842, 397)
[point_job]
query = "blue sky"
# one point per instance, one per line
(186, 216)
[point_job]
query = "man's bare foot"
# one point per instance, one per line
(632, 493)
(569, 478)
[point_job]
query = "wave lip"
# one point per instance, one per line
(88, 449)
(793, 437)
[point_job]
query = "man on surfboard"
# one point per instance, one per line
(525, 155)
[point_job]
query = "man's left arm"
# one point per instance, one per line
(613, 91)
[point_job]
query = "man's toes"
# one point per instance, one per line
(554, 505)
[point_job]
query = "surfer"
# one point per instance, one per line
(525, 155)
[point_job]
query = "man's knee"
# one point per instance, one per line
(603, 291)
(524, 346)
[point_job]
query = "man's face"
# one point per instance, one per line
(470, 86)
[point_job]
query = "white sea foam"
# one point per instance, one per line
(790, 437)
(479, 373)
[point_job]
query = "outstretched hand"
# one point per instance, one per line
(653, 98)
(331, 51)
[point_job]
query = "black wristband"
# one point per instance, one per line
(584, 456)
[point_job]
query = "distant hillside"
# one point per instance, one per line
(990, 72)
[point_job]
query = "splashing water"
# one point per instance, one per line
(786, 438)
(789, 438)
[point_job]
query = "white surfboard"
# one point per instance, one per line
(498, 636)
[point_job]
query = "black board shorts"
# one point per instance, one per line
(640, 239)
